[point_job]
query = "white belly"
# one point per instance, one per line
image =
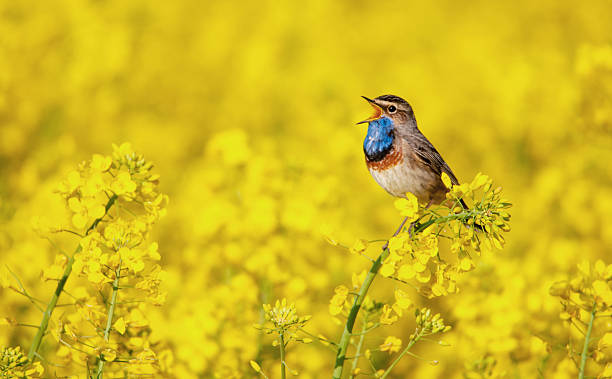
(402, 178)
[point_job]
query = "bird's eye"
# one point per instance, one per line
(391, 109)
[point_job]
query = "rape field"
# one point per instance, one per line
(193, 163)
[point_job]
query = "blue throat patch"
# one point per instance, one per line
(379, 140)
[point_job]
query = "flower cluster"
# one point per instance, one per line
(339, 301)
(15, 364)
(114, 202)
(413, 256)
(416, 256)
(488, 213)
(428, 323)
(282, 319)
(586, 301)
(588, 290)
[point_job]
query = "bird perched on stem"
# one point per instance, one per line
(399, 156)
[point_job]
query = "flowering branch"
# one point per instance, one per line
(42, 329)
(426, 325)
(590, 291)
(414, 254)
(282, 319)
(350, 322)
(399, 357)
(108, 244)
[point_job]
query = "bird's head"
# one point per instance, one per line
(392, 115)
(392, 107)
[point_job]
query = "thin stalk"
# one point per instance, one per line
(281, 345)
(264, 290)
(399, 357)
(445, 219)
(585, 348)
(350, 322)
(359, 346)
(44, 323)
(42, 329)
(109, 318)
(23, 291)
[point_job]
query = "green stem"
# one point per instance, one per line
(264, 289)
(109, 318)
(44, 323)
(281, 344)
(42, 329)
(350, 322)
(585, 348)
(359, 346)
(399, 357)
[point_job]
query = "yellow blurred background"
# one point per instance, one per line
(247, 110)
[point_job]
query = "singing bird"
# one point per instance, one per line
(400, 158)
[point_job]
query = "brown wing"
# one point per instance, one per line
(424, 150)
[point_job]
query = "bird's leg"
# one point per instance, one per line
(396, 232)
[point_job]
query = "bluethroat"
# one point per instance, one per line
(400, 158)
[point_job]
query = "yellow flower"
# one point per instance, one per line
(123, 184)
(336, 303)
(408, 207)
(152, 251)
(392, 344)
(423, 276)
(123, 152)
(101, 163)
(466, 264)
(602, 291)
(357, 279)
(399, 244)
(479, 181)
(70, 184)
(131, 259)
(119, 325)
(419, 267)
(402, 299)
(85, 210)
(438, 289)
(93, 185)
(446, 180)
(284, 316)
(387, 269)
(358, 247)
(386, 318)
(55, 271)
(406, 272)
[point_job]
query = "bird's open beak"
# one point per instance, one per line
(377, 112)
